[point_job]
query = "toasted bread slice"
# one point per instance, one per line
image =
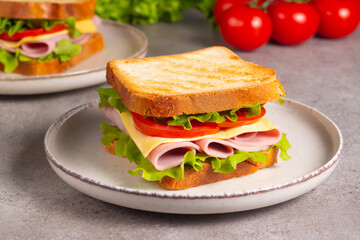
(94, 44)
(206, 175)
(207, 80)
(47, 9)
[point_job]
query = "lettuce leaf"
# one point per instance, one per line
(150, 11)
(126, 147)
(9, 60)
(284, 146)
(111, 97)
(217, 117)
(65, 50)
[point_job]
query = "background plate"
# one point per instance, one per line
(74, 151)
(121, 41)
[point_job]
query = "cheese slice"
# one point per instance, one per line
(84, 26)
(147, 143)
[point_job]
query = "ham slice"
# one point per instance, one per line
(169, 155)
(111, 114)
(256, 141)
(41, 48)
(215, 147)
(247, 142)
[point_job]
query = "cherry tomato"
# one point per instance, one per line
(151, 128)
(245, 28)
(293, 23)
(242, 119)
(338, 18)
(31, 33)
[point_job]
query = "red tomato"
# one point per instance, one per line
(221, 6)
(245, 28)
(31, 33)
(338, 18)
(293, 23)
(151, 128)
(242, 119)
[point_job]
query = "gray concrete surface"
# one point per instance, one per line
(36, 204)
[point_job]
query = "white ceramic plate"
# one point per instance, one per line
(121, 41)
(74, 151)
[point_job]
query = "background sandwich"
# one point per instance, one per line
(191, 119)
(46, 37)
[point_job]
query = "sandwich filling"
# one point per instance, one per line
(159, 156)
(42, 40)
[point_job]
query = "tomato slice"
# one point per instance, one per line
(242, 119)
(31, 33)
(149, 127)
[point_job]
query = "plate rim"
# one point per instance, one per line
(172, 194)
(140, 53)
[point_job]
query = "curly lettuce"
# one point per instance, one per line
(151, 11)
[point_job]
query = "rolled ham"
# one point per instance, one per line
(111, 114)
(41, 48)
(169, 155)
(256, 141)
(215, 147)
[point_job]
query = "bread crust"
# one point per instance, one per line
(80, 9)
(94, 44)
(206, 175)
(167, 103)
(192, 178)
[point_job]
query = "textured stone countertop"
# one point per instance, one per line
(36, 204)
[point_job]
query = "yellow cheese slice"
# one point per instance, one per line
(146, 143)
(84, 26)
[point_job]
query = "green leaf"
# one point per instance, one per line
(9, 60)
(111, 97)
(150, 11)
(65, 50)
(16, 28)
(284, 146)
(49, 24)
(217, 117)
(281, 101)
(74, 32)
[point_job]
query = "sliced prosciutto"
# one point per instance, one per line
(169, 155)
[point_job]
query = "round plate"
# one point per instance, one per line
(121, 41)
(74, 151)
